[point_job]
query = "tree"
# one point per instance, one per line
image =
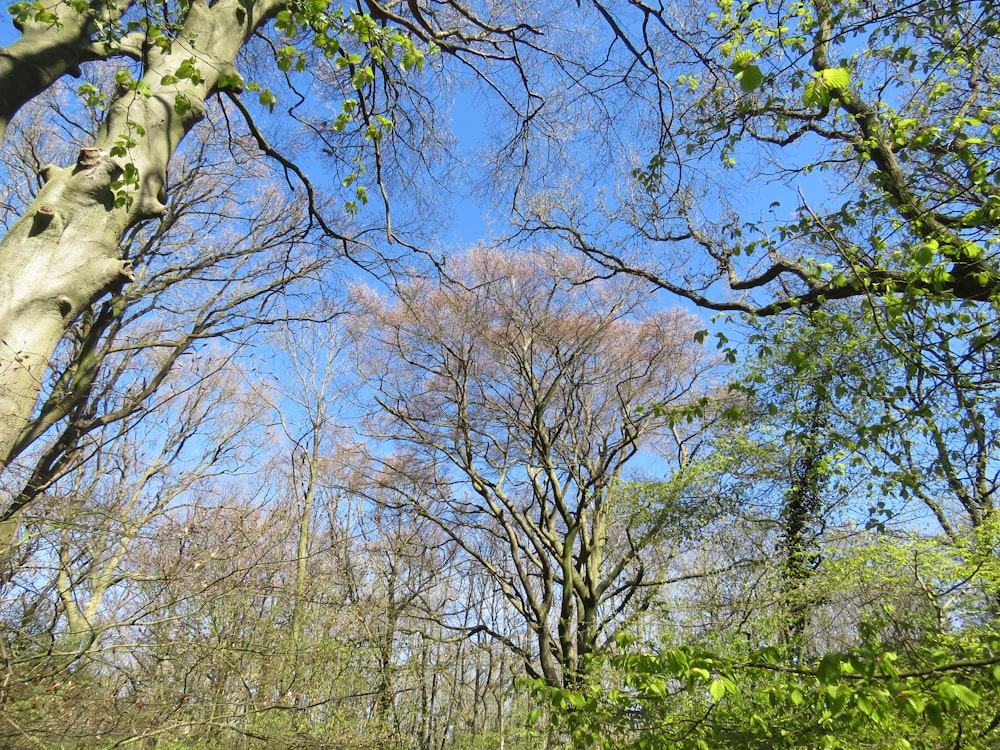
(117, 358)
(910, 401)
(63, 254)
(72, 601)
(511, 413)
(887, 265)
(517, 398)
(170, 66)
(880, 126)
(894, 632)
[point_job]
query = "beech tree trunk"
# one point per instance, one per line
(63, 254)
(46, 51)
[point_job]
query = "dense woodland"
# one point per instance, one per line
(692, 442)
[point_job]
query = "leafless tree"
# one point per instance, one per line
(516, 397)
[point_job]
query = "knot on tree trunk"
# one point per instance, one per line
(89, 158)
(49, 172)
(126, 273)
(94, 172)
(42, 219)
(152, 207)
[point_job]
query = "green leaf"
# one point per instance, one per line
(182, 104)
(231, 82)
(836, 78)
(747, 73)
(954, 692)
(412, 59)
(924, 255)
(340, 123)
(362, 76)
(286, 56)
(717, 688)
(267, 99)
(750, 78)
(700, 673)
(815, 94)
(829, 668)
(818, 91)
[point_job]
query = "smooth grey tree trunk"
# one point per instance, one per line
(63, 254)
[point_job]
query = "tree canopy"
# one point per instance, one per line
(279, 467)
(877, 124)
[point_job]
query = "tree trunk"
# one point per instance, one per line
(48, 50)
(62, 254)
(302, 547)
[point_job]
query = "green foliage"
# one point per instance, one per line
(906, 394)
(365, 50)
(92, 96)
(938, 693)
(907, 412)
(330, 31)
(37, 12)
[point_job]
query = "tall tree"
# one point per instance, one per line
(517, 398)
(212, 266)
